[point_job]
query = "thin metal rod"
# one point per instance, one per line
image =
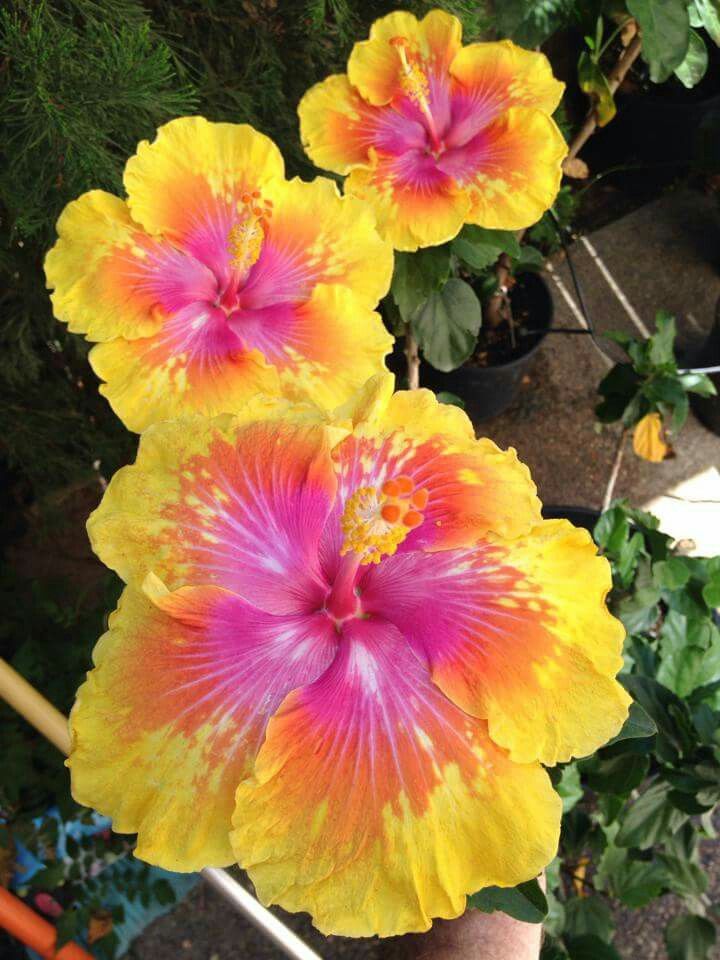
(46, 719)
(261, 918)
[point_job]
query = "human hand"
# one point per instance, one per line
(474, 936)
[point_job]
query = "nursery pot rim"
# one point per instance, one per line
(539, 334)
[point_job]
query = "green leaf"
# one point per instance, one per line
(552, 951)
(670, 714)
(554, 922)
(416, 276)
(619, 774)
(591, 948)
(711, 593)
(671, 574)
(689, 937)
(444, 396)
(530, 22)
(684, 877)
(570, 789)
(66, 926)
(693, 667)
(50, 877)
(665, 26)
(694, 66)
(707, 14)
(618, 387)
(635, 882)
(594, 83)
(661, 342)
(525, 902)
(588, 916)
(611, 530)
(530, 260)
(446, 325)
(699, 383)
(628, 558)
(650, 819)
(480, 248)
(637, 726)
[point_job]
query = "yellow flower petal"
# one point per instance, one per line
(409, 213)
(374, 67)
(332, 238)
(333, 121)
(473, 486)
(504, 75)
(190, 506)
(99, 249)
(171, 717)
(191, 166)
(530, 645)
(345, 343)
(146, 382)
(377, 806)
(519, 174)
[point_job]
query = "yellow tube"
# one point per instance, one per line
(33, 706)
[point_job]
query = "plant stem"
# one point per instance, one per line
(616, 77)
(498, 306)
(495, 310)
(412, 356)
(615, 470)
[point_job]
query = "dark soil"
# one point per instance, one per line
(512, 338)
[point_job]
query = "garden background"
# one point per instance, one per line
(81, 83)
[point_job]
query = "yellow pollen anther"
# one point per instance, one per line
(245, 240)
(375, 522)
(413, 80)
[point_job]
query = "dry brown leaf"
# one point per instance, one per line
(100, 925)
(649, 439)
(576, 168)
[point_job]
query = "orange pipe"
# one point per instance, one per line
(25, 925)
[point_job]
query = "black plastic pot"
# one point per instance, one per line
(707, 409)
(487, 391)
(579, 516)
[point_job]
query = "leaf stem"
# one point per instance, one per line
(412, 355)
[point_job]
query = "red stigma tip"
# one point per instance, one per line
(405, 485)
(391, 488)
(412, 519)
(419, 499)
(390, 513)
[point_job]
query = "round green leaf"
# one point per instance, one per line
(689, 937)
(446, 325)
(692, 69)
(665, 26)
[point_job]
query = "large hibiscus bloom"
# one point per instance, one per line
(217, 278)
(434, 134)
(345, 648)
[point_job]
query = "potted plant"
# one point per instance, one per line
(442, 293)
